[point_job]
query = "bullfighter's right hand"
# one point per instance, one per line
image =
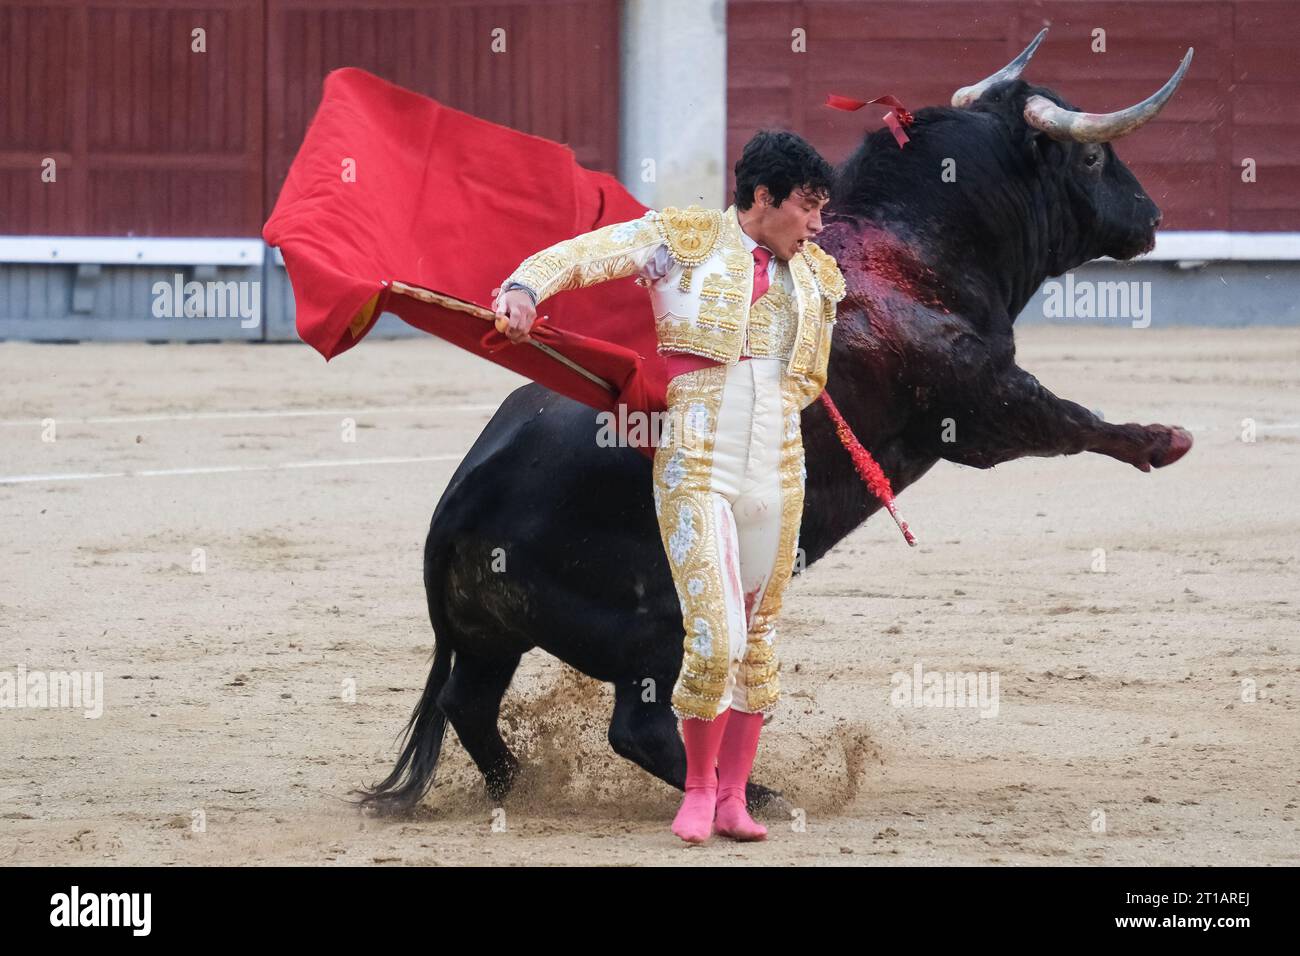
(515, 314)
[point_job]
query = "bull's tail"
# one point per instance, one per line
(421, 741)
(410, 780)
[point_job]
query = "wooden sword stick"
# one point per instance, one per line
(460, 305)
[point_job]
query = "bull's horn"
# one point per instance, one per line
(969, 94)
(1070, 126)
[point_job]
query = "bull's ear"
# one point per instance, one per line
(1037, 144)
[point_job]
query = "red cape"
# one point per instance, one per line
(445, 201)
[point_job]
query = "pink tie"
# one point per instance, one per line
(761, 258)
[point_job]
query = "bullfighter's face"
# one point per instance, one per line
(785, 228)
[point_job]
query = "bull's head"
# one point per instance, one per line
(1104, 201)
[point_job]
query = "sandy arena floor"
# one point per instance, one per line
(1121, 693)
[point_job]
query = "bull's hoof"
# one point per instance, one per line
(1180, 440)
(500, 780)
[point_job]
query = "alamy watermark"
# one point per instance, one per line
(213, 299)
(923, 688)
(1090, 299)
(48, 689)
(636, 428)
(129, 910)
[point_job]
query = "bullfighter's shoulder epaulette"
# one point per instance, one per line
(691, 233)
(826, 269)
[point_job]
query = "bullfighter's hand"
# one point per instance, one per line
(515, 314)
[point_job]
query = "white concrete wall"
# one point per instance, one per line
(672, 131)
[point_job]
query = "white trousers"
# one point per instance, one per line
(728, 485)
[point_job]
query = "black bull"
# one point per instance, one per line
(922, 367)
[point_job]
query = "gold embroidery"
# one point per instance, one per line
(772, 326)
(610, 252)
(739, 263)
(811, 384)
(722, 303)
(683, 335)
(690, 233)
(682, 475)
(758, 331)
(809, 321)
(829, 278)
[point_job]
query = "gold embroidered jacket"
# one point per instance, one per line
(702, 304)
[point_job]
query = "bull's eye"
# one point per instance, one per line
(1092, 159)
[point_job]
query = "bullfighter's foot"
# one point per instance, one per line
(694, 821)
(734, 821)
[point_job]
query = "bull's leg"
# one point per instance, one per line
(646, 734)
(472, 702)
(1014, 416)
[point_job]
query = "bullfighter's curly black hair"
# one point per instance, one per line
(782, 161)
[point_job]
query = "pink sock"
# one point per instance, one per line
(694, 821)
(735, 760)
